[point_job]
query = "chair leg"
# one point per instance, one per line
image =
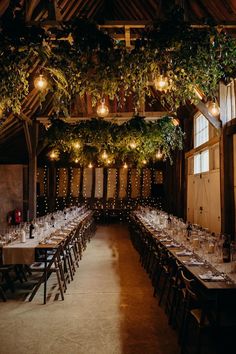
(59, 283)
(2, 293)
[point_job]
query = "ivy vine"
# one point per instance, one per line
(90, 61)
(135, 142)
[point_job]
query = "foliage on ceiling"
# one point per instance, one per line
(90, 61)
(99, 142)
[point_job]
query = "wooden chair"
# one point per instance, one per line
(195, 309)
(51, 264)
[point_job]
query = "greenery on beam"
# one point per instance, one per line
(135, 142)
(90, 61)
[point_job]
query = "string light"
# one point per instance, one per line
(90, 165)
(125, 165)
(144, 162)
(76, 160)
(40, 83)
(45, 188)
(102, 109)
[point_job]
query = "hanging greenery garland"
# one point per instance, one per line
(90, 61)
(101, 142)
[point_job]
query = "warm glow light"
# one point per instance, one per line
(125, 165)
(175, 121)
(90, 165)
(161, 83)
(1, 112)
(76, 145)
(144, 162)
(133, 145)
(213, 108)
(40, 83)
(108, 162)
(159, 155)
(54, 155)
(76, 160)
(104, 155)
(102, 109)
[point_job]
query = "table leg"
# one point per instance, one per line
(45, 278)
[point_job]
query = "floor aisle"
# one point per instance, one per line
(108, 308)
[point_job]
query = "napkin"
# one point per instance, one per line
(172, 245)
(211, 277)
(193, 262)
(184, 253)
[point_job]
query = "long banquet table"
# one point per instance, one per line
(218, 290)
(26, 253)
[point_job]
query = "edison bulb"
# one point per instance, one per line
(40, 83)
(133, 145)
(76, 145)
(90, 165)
(213, 108)
(102, 109)
(125, 165)
(175, 121)
(158, 155)
(144, 162)
(76, 160)
(161, 83)
(104, 155)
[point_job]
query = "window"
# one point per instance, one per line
(201, 130)
(201, 162)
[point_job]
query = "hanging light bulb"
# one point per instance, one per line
(125, 165)
(104, 155)
(213, 108)
(90, 165)
(161, 83)
(76, 160)
(144, 162)
(102, 109)
(159, 155)
(133, 145)
(76, 145)
(54, 155)
(40, 82)
(108, 162)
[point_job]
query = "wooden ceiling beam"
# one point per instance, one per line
(117, 117)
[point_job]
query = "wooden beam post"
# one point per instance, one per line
(33, 170)
(213, 120)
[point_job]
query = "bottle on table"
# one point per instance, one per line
(226, 249)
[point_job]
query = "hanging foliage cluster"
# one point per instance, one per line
(101, 142)
(90, 61)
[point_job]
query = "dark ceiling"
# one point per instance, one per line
(196, 12)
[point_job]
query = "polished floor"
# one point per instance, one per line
(108, 308)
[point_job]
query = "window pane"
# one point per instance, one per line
(205, 161)
(201, 130)
(197, 165)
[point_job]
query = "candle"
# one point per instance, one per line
(211, 248)
(195, 243)
(23, 236)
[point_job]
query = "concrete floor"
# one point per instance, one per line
(108, 308)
